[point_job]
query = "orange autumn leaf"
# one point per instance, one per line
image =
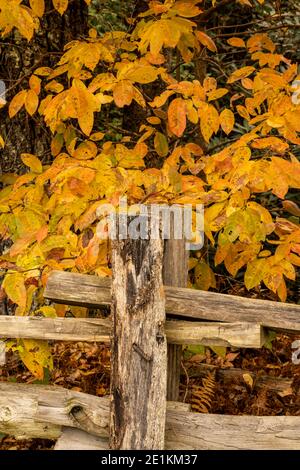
(236, 42)
(206, 41)
(177, 116)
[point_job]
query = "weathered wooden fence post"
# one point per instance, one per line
(139, 348)
(175, 273)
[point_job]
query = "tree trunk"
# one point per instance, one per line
(18, 59)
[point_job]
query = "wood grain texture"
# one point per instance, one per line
(59, 329)
(41, 411)
(138, 345)
(175, 273)
(245, 335)
(224, 432)
(76, 439)
(240, 335)
(83, 289)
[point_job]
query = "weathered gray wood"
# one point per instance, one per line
(280, 385)
(78, 289)
(174, 370)
(175, 273)
(25, 410)
(224, 432)
(211, 432)
(240, 335)
(83, 289)
(40, 411)
(245, 335)
(138, 345)
(76, 439)
(59, 329)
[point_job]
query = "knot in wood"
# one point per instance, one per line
(5, 414)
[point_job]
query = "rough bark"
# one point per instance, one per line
(139, 347)
(18, 59)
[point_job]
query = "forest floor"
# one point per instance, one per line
(241, 389)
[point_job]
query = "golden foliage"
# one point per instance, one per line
(49, 213)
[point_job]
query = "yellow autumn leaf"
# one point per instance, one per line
(32, 162)
(243, 112)
(274, 143)
(260, 41)
(47, 311)
(240, 74)
(123, 93)
(254, 273)
(54, 86)
(85, 151)
(216, 94)
(60, 5)
(291, 207)
(209, 121)
(2, 143)
(164, 32)
(31, 102)
(191, 112)
(15, 289)
(84, 104)
(227, 120)
(142, 74)
(161, 144)
(160, 100)
(96, 136)
(17, 15)
(43, 71)
(220, 351)
(186, 8)
(38, 7)
(35, 84)
(248, 380)
(204, 276)
(79, 312)
(36, 355)
(16, 103)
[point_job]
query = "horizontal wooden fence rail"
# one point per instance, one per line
(43, 411)
(245, 335)
(93, 291)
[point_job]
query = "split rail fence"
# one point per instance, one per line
(153, 315)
